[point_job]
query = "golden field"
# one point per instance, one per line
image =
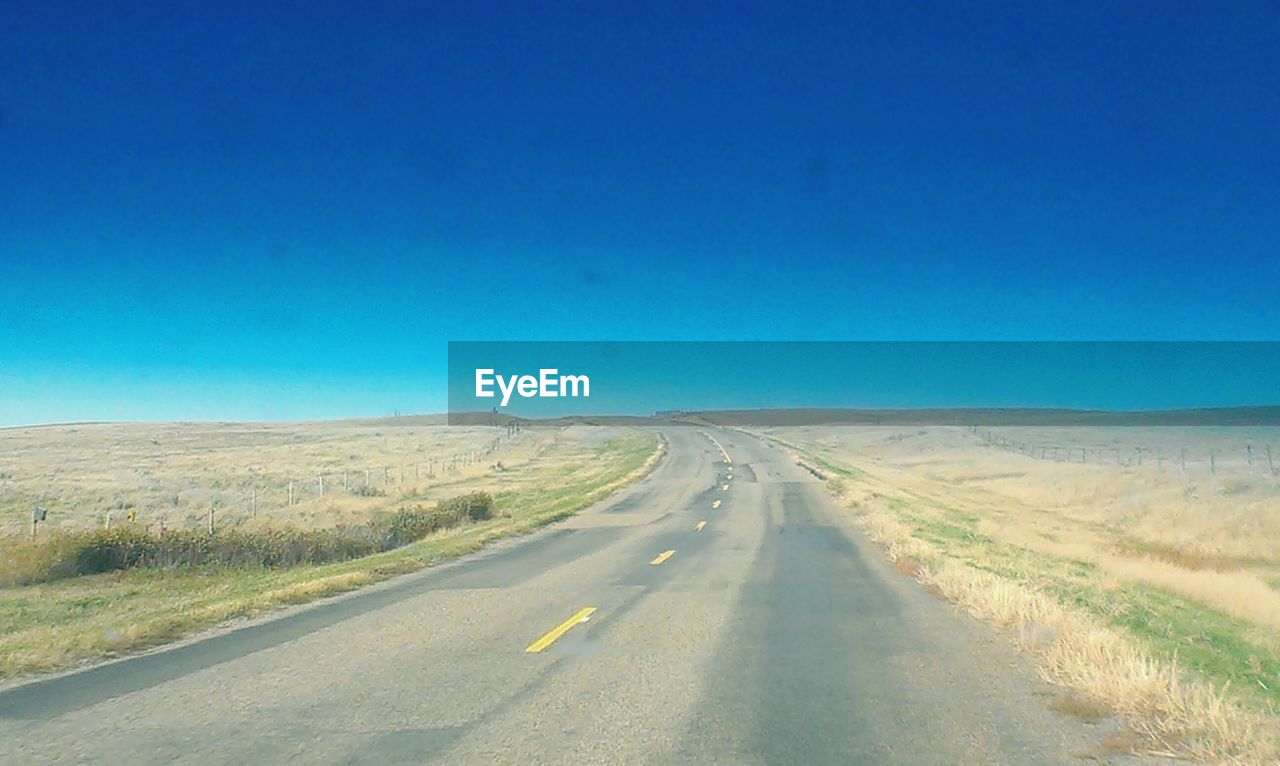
(174, 473)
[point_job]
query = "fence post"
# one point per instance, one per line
(321, 477)
(253, 503)
(1183, 457)
(1213, 463)
(1139, 451)
(1270, 464)
(1249, 450)
(211, 506)
(291, 492)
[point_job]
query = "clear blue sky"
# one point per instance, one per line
(241, 212)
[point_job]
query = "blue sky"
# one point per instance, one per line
(239, 212)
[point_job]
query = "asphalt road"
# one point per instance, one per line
(772, 633)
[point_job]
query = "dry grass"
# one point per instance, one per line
(172, 473)
(1144, 591)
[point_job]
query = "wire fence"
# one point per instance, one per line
(239, 500)
(1249, 456)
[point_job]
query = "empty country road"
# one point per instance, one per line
(718, 611)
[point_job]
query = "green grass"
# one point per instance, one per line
(1220, 648)
(55, 625)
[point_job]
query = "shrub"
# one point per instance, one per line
(110, 549)
(69, 554)
(476, 506)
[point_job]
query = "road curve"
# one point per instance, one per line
(715, 612)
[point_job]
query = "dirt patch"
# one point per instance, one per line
(1082, 707)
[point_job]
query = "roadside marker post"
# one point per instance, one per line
(38, 514)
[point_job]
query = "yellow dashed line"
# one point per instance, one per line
(662, 557)
(698, 528)
(550, 638)
(715, 503)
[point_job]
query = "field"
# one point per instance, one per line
(312, 474)
(172, 475)
(1141, 566)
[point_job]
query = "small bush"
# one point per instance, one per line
(476, 506)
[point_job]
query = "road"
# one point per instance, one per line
(732, 612)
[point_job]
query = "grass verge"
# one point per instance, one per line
(1188, 680)
(56, 625)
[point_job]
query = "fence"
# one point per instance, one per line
(261, 493)
(1251, 456)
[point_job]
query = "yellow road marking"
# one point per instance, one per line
(715, 503)
(550, 638)
(723, 454)
(698, 528)
(725, 488)
(662, 557)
